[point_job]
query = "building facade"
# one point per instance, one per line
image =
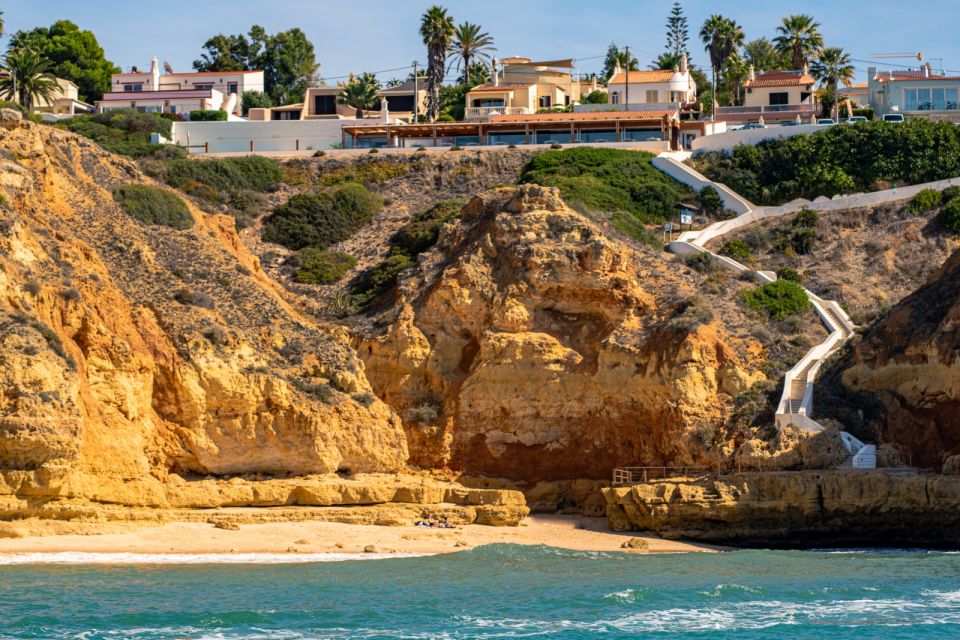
(916, 92)
(153, 92)
(321, 103)
(660, 88)
(775, 97)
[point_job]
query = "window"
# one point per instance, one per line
(544, 102)
(779, 98)
(173, 109)
(133, 87)
(231, 87)
(204, 86)
(615, 97)
(492, 102)
(324, 105)
(652, 96)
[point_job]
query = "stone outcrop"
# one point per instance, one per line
(901, 383)
(795, 509)
(528, 345)
(131, 352)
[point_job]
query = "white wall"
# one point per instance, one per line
(270, 135)
(727, 141)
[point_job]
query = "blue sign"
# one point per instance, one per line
(686, 217)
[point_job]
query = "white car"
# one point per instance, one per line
(855, 119)
(893, 117)
(826, 121)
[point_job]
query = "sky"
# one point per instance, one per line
(381, 35)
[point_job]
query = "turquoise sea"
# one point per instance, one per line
(500, 591)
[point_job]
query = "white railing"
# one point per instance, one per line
(763, 109)
(474, 113)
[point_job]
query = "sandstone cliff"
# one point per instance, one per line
(901, 383)
(528, 345)
(132, 351)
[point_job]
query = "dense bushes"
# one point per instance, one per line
(255, 173)
(838, 160)
(318, 266)
(950, 215)
(153, 206)
(208, 115)
(926, 200)
(609, 180)
(799, 238)
(777, 300)
(710, 201)
(737, 249)
(123, 132)
(321, 220)
(406, 244)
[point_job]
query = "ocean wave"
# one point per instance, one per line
(722, 590)
(82, 557)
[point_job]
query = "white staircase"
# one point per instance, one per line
(796, 403)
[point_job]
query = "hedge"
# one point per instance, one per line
(318, 266)
(320, 220)
(777, 300)
(208, 115)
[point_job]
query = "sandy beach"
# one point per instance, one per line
(567, 532)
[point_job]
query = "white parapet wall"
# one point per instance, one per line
(266, 135)
(727, 141)
(676, 169)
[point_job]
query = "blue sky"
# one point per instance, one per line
(373, 35)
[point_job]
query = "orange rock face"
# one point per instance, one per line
(527, 346)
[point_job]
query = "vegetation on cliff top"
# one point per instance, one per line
(126, 133)
(866, 157)
(609, 180)
(320, 220)
(153, 206)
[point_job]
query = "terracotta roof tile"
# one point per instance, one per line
(580, 117)
(489, 88)
(780, 79)
(913, 74)
(640, 77)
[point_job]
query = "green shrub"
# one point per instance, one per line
(382, 277)
(609, 180)
(122, 132)
(778, 300)
(710, 201)
(320, 154)
(556, 145)
(737, 249)
(16, 106)
(321, 220)
(255, 173)
(628, 225)
(692, 313)
(800, 237)
(422, 232)
(446, 117)
(787, 273)
(368, 171)
(153, 206)
(838, 160)
(926, 200)
(702, 262)
(208, 115)
(374, 151)
(949, 194)
(950, 215)
(189, 297)
(318, 266)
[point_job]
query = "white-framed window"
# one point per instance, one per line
(133, 87)
(615, 97)
(203, 86)
(653, 96)
(544, 102)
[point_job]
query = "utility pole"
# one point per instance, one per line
(416, 95)
(626, 84)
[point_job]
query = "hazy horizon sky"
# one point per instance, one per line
(376, 35)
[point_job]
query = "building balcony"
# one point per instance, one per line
(484, 113)
(772, 109)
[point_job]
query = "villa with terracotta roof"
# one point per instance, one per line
(915, 93)
(153, 92)
(774, 97)
(654, 89)
(321, 103)
(524, 87)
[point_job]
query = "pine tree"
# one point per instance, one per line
(677, 31)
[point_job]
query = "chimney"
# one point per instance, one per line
(806, 68)
(616, 67)
(683, 63)
(155, 73)
(926, 70)
(496, 76)
(753, 74)
(593, 84)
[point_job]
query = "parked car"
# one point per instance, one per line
(893, 117)
(855, 119)
(753, 125)
(826, 121)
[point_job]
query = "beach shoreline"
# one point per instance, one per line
(576, 533)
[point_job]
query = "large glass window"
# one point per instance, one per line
(547, 137)
(603, 135)
(779, 98)
(133, 87)
(634, 135)
(909, 99)
(508, 138)
(488, 102)
(950, 95)
(544, 102)
(615, 97)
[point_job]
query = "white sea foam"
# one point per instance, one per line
(80, 557)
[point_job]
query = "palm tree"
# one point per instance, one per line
(799, 39)
(470, 46)
(833, 66)
(479, 73)
(29, 79)
(735, 72)
(436, 29)
(667, 61)
(3, 25)
(721, 38)
(359, 92)
(762, 55)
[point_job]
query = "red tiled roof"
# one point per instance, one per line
(580, 117)
(489, 88)
(189, 73)
(780, 79)
(640, 77)
(912, 74)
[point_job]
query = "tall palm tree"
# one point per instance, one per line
(359, 92)
(29, 79)
(799, 39)
(3, 25)
(735, 72)
(436, 29)
(722, 38)
(470, 46)
(833, 66)
(479, 73)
